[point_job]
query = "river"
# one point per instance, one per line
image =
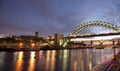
(53, 60)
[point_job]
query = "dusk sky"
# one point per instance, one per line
(24, 17)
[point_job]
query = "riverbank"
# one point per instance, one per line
(42, 48)
(103, 66)
(116, 65)
(20, 49)
(112, 64)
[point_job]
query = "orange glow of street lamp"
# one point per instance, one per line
(21, 44)
(32, 44)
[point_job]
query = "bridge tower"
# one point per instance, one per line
(57, 38)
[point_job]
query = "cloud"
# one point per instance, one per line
(53, 16)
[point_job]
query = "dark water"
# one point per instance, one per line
(53, 60)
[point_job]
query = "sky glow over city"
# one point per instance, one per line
(54, 16)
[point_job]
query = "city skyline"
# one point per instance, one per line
(50, 16)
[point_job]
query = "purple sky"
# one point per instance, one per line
(54, 16)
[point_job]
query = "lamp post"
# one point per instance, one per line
(114, 50)
(114, 54)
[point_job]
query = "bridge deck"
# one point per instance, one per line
(94, 35)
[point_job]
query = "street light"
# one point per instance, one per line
(32, 44)
(114, 50)
(114, 54)
(21, 44)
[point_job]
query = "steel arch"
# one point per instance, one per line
(94, 23)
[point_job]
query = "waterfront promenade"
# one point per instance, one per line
(112, 64)
(104, 66)
(116, 65)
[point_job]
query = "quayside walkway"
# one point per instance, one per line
(104, 66)
(116, 65)
(112, 64)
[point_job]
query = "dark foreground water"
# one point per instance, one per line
(53, 60)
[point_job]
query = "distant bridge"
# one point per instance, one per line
(94, 23)
(73, 34)
(96, 40)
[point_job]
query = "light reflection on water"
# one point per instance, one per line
(53, 60)
(50, 60)
(31, 62)
(19, 62)
(47, 61)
